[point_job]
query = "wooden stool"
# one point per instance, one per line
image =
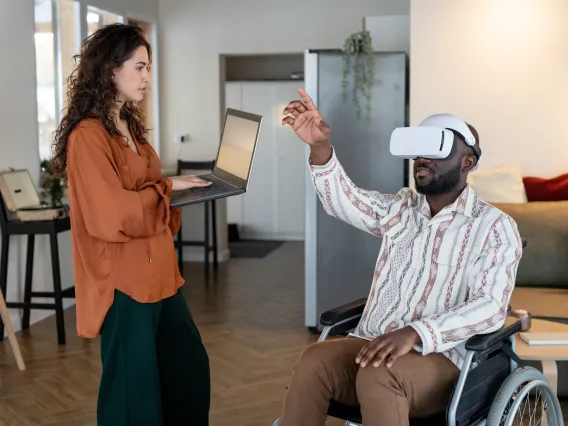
(31, 229)
(206, 243)
(5, 316)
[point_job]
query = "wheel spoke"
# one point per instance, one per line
(525, 398)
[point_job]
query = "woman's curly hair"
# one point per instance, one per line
(91, 90)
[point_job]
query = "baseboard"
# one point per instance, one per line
(36, 315)
(195, 254)
(271, 236)
(190, 254)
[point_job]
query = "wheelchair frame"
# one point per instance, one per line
(343, 319)
(494, 354)
(496, 372)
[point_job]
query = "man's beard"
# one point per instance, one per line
(442, 184)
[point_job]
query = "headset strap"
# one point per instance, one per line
(475, 146)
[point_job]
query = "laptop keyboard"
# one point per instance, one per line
(217, 187)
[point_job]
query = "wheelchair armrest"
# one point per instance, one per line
(341, 313)
(482, 342)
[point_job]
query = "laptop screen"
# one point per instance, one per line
(237, 145)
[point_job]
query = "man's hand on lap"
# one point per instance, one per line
(388, 347)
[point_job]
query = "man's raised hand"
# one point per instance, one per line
(307, 122)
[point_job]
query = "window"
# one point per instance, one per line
(148, 103)
(45, 69)
(69, 42)
(57, 40)
(97, 18)
(58, 37)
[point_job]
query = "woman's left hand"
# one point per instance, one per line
(187, 181)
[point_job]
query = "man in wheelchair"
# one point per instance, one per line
(445, 272)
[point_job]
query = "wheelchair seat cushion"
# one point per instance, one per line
(353, 414)
(344, 412)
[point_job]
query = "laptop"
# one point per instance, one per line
(233, 164)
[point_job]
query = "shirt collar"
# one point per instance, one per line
(465, 202)
(463, 205)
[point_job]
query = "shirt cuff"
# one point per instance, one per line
(167, 186)
(427, 335)
(323, 169)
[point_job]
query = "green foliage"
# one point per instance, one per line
(53, 185)
(358, 57)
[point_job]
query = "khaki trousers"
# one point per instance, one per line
(415, 386)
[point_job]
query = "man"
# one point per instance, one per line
(445, 272)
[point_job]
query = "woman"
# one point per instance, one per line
(127, 282)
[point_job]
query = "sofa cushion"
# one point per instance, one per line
(542, 189)
(501, 184)
(544, 225)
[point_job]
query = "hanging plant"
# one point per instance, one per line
(358, 57)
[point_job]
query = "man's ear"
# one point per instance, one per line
(468, 163)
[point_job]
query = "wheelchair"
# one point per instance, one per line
(498, 391)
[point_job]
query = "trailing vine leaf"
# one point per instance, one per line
(369, 76)
(358, 56)
(346, 68)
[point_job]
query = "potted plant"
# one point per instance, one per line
(358, 57)
(52, 185)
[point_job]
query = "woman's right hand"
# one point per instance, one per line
(187, 181)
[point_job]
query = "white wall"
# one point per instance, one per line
(194, 33)
(19, 130)
(501, 65)
(389, 33)
(18, 110)
(141, 9)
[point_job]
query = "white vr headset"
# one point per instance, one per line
(432, 138)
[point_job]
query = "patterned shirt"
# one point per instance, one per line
(449, 276)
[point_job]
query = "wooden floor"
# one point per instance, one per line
(251, 321)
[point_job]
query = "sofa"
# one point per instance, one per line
(544, 225)
(539, 206)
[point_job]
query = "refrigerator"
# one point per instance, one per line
(340, 259)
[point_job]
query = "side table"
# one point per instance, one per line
(547, 355)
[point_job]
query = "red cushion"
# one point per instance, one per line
(540, 189)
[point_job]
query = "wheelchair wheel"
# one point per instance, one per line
(525, 398)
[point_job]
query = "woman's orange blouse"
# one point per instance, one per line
(122, 225)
